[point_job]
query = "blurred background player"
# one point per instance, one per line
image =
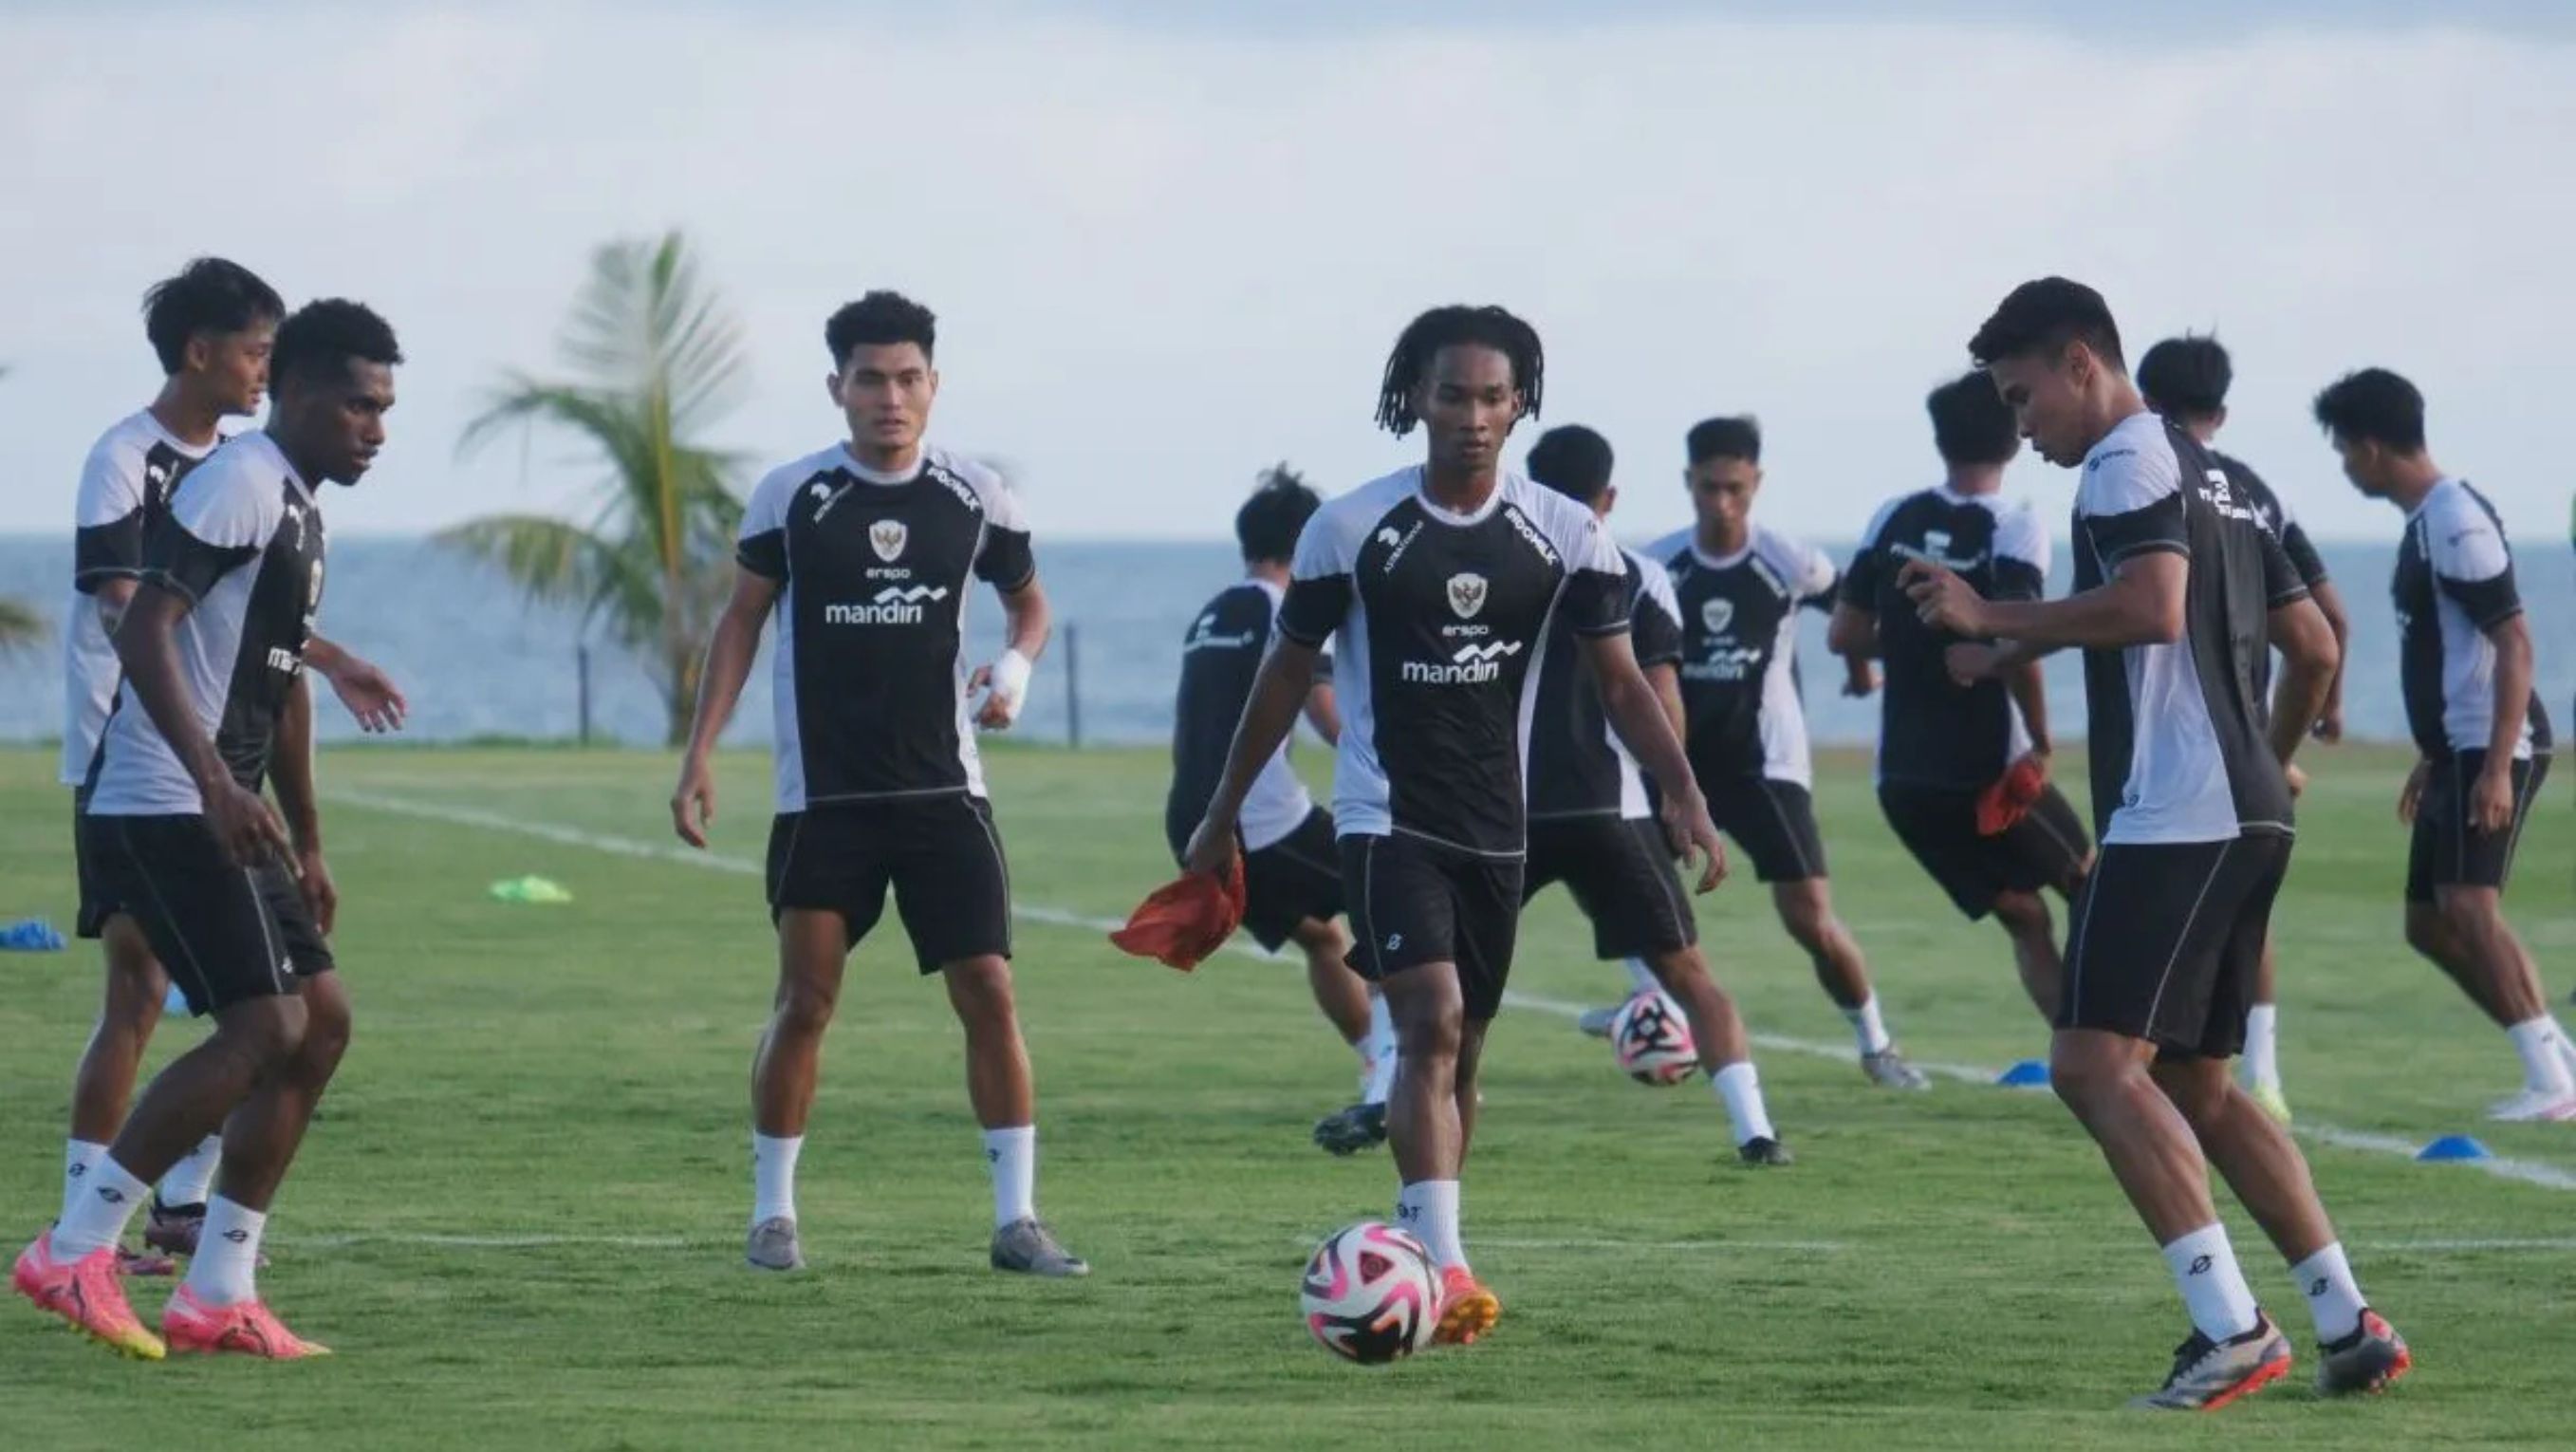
(2185, 379)
(865, 552)
(2465, 665)
(1591, 824)
(1739, 587)
(1292, 881)
(1944, 744)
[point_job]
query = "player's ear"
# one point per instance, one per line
(933, 387)
(832, 387)
(2220, 418)
(198, 353)
(1609, 498)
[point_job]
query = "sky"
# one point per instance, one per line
(1171, 243)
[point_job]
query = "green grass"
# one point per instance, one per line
(1970, 1276)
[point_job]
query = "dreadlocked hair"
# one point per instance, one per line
(1449, 327)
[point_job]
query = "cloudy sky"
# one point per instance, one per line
(1170, 243)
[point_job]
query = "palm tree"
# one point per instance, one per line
(655, 358)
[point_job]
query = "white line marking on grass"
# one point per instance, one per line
(2465, 1247)
(1767, 1247)
(495, 1242)
(2528, 1172)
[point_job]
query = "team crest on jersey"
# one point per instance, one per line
(1717, 613)
(1467, 594)
(887, 538)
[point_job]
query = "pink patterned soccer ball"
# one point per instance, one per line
(1653, 1040)
(1371, 1294)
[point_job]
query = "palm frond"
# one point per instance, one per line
(549, 559)
(21, 628)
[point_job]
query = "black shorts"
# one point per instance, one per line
(1774, 822)
(952, 886)
(224, 934)
(2447, 851)
(1620, 871)
(2046, 848)
(2166, 939)
(1292, 881)
(1414, 902)
(97, 902)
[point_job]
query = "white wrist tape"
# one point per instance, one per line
(1010, 683)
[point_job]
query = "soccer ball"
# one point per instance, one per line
(1653, 1039)
(1371, 1294)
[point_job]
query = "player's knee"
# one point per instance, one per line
(805, 1006)
(980, 990)
(264, 1031)
(2083, 1076)
(1432, 1033)
(2022, 913)
(2425, 931)
(2464, 915)
(328, 1024)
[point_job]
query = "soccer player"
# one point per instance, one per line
(1435, 584)
(865, 552)
(212, 327)
(1739, 587)
(2185, 379)
(2465, 663)
(2178, 587)
(1591, 825)
(1291, 881)
(239, 904)
(1943, 744)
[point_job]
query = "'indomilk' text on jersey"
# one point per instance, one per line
(2454, 583)
(125, 489)
(1578, 766)
(1438, 620)
(2176, 731)
(1219, 659)
(243, 543)
(868, 685)
(1933, 731)
(1739, 617)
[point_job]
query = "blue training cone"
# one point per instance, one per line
(2028, 1074)
(174, 1001)
(2452, 1147)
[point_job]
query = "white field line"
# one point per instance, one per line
(2528, 1172)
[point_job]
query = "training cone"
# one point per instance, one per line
(2028, 1074)
(2452, 1147)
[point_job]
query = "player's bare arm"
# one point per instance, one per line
(2141, 604)
(1324, 713)
(1027, 622)
(1638, 715)
(729, 655)
(369, 693)
(2309, 660)
(1278, 693)
(290, 775)
(148, 652)
(2491, 799)
(2329, 726)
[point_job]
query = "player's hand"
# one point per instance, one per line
(1943, 599)
(2491, 798)
(1694, 837)
(1860, 678)
(2329, 727)
(2411, 795)
(1005, 684)
(1971, 661)
(245, 826)
(992, 715)
(693, 802)
(321, 894)
(368, 692)
(1211, 850)
(2297, 777)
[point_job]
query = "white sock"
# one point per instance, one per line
(1739, 1088)
(227, 1254)
(1013, 1154)
(773, 1175)
(80, 1156)
(1428, 1211)
(2261, 1065)
(2334, 1297)
(192, 1179)
(1381, 1078)
(1642, 979)
(2213, 1286)
(95, 1218)
(1868, 1027)
(1377, 1053)
(2544, 1067)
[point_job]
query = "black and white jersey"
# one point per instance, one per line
(2454, 582)
(2275, 513)
(1219, 659)
(1932, 730)
(125, 486)
(2176, 730)
(868, 679)
(243, 542)
(1578, 765)
(1438, 621)
(1739, 617)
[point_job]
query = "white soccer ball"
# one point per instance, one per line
(1652, 1038)
(1371, 1294)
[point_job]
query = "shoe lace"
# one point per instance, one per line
(2194, 1349)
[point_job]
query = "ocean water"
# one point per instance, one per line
(477, 661)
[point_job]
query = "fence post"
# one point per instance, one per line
(581, 656)
(1073, 685)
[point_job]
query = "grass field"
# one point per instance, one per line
(519, 1218)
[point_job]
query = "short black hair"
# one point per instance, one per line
(322, 338)
(2186, 376)
(2044, 316)
(2373, 403)
(1269, 522)
(1738, 437)
(880, 317)
(1449, 327)
(1971, 423)
(210, 295)
(1572, 460)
